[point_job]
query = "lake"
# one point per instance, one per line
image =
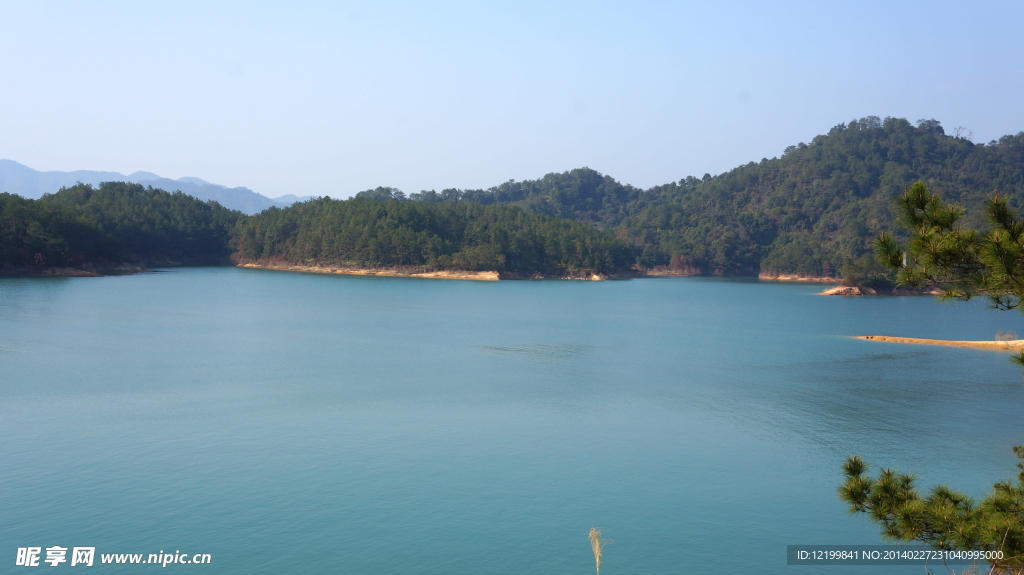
(297, 423)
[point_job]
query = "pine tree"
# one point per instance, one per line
(963, 263)
(945, 518)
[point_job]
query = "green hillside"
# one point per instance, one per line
(36, 234)
(82, 226)
(447, 235)
(812, 211)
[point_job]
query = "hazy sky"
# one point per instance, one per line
(332, 98)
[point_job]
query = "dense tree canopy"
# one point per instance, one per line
(964, 262)
(441, 235)
(944, 518)
(820, 205)
(813, 211)
(153, 225)
(115, 223)
(34, 233)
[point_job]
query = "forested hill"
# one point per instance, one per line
(99, 228)
(813, 211)
(810, 211)
(462, 236)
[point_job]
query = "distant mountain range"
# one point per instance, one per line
(19, 179)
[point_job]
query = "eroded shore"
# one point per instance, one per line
(854, 290)
(797, 278)
(451, 275)
(1010, 345)
(841, 289)
(413, 272)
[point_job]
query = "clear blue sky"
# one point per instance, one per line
(332, 98)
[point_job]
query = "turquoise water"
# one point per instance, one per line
(291, 423)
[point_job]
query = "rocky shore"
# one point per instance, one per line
(854, 290)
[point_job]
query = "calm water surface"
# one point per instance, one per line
(290, 423)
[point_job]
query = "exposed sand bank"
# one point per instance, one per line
(412, 272)
(1011, 345)
(451, 275)
(797, 278)
(847, 290)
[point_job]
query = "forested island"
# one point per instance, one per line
(813, 212)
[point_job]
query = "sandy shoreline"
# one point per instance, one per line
(858, 291)
(797, 278)
(451, 275)
(1012, 345)
(412, 273)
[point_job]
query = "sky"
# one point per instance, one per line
(331, 98)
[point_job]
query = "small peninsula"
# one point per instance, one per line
(426, 239)
(1010, 345)
(396, 272)
(412, 272)
(868, 291)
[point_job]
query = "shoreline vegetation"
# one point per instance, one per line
(419, 272)
(410, 272)
(353, 271)
(809, 215)
(849, 290)
(845, 290)
(1009, 345)
(47, 272)
(413, 272)
(427, 239)
(416, 272)
(74, 272)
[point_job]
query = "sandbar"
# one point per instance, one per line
(771, 276)
(1011, 345)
